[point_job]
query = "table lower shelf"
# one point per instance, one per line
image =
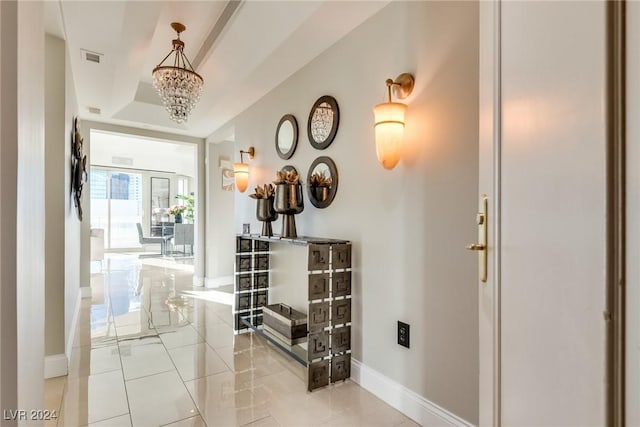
(298, 351)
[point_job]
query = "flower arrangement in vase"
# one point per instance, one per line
(288, 200)
(265, 211)
(176, 211)
(189, 205)
(320, 185)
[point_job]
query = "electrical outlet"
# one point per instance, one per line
(246, 228)
(403, 334)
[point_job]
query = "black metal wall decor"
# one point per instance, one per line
(322, 182)
(286, 136)
(78, 167)
(322, 125)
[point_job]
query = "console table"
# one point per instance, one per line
(327, 283)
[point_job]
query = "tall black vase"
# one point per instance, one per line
(178, 218)
(266, 213)
(289, 202)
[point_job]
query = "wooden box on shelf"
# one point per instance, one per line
(286, 322)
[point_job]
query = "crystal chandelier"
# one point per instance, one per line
(178, 85)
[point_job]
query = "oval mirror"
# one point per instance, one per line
(286, 136)
(323, 122)
(322, 182)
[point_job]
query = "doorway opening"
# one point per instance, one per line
(142, 194)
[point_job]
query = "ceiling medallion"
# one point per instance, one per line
(178, 85)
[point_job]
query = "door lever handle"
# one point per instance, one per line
(476, 247)
(481, 247)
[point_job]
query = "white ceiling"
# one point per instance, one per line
(244, 55)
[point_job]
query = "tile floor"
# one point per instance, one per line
(151, 350)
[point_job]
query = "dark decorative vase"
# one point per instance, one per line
(320, 192)
(178, 217)
(289, 202)
(266, 213)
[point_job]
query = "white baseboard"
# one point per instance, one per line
(55, 366)
(85, 291)
(414, 406)
(74, 324)
(213, 283)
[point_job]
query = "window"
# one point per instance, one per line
(116, 206)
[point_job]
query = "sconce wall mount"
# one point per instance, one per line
(241, 170)
(389, 121)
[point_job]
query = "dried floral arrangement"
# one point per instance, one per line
(318, 179)
(264, 192)
(286, 177)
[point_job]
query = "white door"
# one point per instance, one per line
(542, 162)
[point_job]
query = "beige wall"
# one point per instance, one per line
(633, 214)
(85, 224)
(72, 249)
(220, 216)
(8, 200)
(55, 139)
(409, 226)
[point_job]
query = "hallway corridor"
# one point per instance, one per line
(152, 350)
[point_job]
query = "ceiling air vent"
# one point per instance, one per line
(93, 110)
(124, 161)
(91, 56)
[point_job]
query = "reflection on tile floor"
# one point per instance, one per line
(152, 350)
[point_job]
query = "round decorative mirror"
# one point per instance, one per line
(286, 136)
(322, 182)
(288, 168)
(323, 122)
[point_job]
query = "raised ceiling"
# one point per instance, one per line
(242, 49)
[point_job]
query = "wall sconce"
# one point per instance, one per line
(241, 170)
(389, 121)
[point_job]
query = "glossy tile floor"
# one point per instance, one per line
(151, 350)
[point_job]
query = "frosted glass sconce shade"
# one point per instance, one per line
(241, 170)
(241, 173)
(389, 131)
(389, 121)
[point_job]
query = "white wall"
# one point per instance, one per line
(145, 153)
(55, 139)
(408, 226)
(633, 215)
